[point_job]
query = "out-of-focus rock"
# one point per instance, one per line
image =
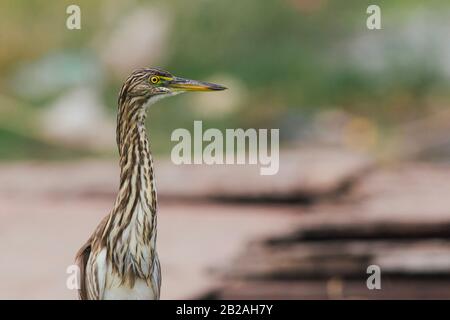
(305, 174)
(396, 219)
(79, 118)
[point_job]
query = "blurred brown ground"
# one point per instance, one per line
(41, 232)
(227, 232)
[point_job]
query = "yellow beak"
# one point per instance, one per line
(193, 85)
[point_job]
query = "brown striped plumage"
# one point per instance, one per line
(119, 261)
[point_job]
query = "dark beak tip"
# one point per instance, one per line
(217, 87)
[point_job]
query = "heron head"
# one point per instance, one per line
(154, 84)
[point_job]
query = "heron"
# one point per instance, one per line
(119, 260)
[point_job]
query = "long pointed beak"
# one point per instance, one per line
(193, 85)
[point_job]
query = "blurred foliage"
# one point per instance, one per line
(292, 55)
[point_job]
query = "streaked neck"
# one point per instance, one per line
(132, 225)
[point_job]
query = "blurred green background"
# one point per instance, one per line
(356, 108)
(309, 67)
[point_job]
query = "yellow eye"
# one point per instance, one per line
(154, 80)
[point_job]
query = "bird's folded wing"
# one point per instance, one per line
(91, 260)
(81, 260)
